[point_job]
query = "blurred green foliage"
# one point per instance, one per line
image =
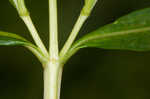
(113, 74)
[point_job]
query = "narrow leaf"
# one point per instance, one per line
(131, 32)
(10, 39)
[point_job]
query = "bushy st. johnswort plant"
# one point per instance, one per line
(131, 32)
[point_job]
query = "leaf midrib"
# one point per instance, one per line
(110, 35)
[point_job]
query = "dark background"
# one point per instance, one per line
(91, 73)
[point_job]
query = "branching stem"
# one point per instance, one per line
(73, 35)
(27, 20)
(52, 70)
(53, 29)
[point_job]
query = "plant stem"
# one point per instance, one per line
(53, 29)
(37, 52)
(53, 71)
(27, 20)
(52, 79)
(59, 81)
(74, 33)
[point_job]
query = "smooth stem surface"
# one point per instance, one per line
(52, 79)
(73, 34)
(59, 81)
(53, 29)
(52, 71)
(27, 20)
(37, 52)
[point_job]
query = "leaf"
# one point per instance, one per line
(131, 32)
(10, 39)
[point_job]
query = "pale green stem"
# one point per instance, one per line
(74, 33)
(27, 20)
(52, 79)
(59, 81)
(53, 29)
(52, 70)
(37, 52)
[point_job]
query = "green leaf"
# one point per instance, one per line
(10, 39)
(131, 32)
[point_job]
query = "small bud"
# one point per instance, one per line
(20, 6)
(89, 5)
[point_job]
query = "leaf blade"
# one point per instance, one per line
(135, 23)
(10, 39)
(116, 42)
